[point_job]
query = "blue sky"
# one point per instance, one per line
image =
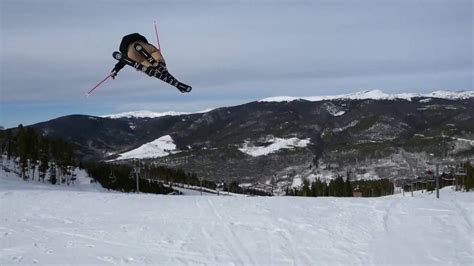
(231, 52)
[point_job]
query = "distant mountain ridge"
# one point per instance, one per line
(372, 138)
(377, 95)
(150, 114)
(368, 94)
(142, 114)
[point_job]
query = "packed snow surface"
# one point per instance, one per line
(57, 227)
(376, 95)
(275, 145)
(160, 147)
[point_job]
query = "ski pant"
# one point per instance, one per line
(137, 57)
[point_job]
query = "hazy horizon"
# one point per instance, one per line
(230, 53)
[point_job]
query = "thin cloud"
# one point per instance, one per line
(247, 49)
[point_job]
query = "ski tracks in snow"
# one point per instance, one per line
(56, 227)
(232, 239)
(412, 228)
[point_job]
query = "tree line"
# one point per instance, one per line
(121, 177)
(29, 152)
(52, 159)
(374, 188)
(337, 187)
(170, 176)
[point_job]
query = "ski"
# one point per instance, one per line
(152, 72)
(160, 67)
(124, 59)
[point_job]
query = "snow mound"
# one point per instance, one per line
(376, 95)
(160, 147)
(275, 145)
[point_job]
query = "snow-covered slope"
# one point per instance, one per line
(10, 181)
(273, 145)
(150, 114)
(160, 147)
(376, 95)
(452, 95)
(47, 227)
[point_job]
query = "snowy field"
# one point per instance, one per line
(160, 147)
(43, 224)
(275, 144)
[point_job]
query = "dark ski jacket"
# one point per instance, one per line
(126, 41)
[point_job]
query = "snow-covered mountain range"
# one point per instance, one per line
(150, 114)
(377, 95)
(143, 114)
(361, 95)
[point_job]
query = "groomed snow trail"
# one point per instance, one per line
(39, 226)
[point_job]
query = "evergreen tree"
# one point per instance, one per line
(320, 188)
(234, 187)
(314, 189)
(33, 152)
(29, 150)
(22, 151)
(347, 188)
(43, 167)
(337, 187)
(306, 189)
(52, 174)
(44, 157)
(9, 143)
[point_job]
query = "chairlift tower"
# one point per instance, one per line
(460, 173)
(436, 163)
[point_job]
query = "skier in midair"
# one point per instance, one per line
(137, 48)
(126, 48)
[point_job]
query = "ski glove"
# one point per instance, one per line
(113, 74)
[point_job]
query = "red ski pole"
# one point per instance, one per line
(98, 84)
(157, 37)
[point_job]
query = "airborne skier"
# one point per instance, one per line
(137, 52)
